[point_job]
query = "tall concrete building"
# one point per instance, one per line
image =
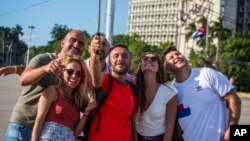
(154, 20)
(243, 17)
(157, 21)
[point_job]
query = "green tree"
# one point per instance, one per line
(235, 57)
(58, 32)
(220, 33)
(13, 49)
(202, 58)
(198, 58)
(16, 32)
(163, 45)
(217, 30)
(192, 27)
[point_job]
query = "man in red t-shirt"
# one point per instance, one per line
(112, 122)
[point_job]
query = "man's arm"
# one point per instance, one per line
(234, 107)
(32, 75)
(95, 64)
(7, 70)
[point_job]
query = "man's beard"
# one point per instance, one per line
(120, 71)
(73, 51)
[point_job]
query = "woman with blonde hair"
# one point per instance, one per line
(157, 104)
(58, 116)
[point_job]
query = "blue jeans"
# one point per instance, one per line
(17, 132)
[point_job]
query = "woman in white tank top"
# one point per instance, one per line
(157, 104)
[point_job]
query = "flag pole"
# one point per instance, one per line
(206, 36)
(98, 24)
(207, 25)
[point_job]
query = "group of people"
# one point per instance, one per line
(61, 94)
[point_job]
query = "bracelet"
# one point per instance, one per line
(14, 69)
(85, 115)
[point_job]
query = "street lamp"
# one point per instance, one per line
(31, 27)
(3, 38)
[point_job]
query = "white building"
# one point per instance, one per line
(158, 21)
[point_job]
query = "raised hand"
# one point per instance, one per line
(91, 105)
(95, 45)
(54, 66)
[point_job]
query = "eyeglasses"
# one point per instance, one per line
(70, 72)
(146, 58)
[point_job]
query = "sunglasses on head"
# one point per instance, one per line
(146, 58)
(70, 72)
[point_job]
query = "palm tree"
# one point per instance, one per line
(15, 32)
(217, 31)
(200, 58)
(192, 28)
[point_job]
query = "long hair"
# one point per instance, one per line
(84, 89)
(140, 83)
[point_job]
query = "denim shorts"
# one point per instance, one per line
(17, 132)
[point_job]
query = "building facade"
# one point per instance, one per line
(243, 17)
(157, 21)
(154, 20)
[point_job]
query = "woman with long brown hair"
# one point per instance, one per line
(157, 104)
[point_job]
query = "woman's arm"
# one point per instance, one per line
(81, 124)
(171, 112)
(45, 101)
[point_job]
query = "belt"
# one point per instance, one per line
(151, 138)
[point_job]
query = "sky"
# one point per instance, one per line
(44, 14)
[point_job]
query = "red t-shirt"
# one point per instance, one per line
(115, 123)
(63, 111)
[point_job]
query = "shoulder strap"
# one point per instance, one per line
(101, 97)
(102, 101)
(104, 96)
(133, 87)
(135, 93)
